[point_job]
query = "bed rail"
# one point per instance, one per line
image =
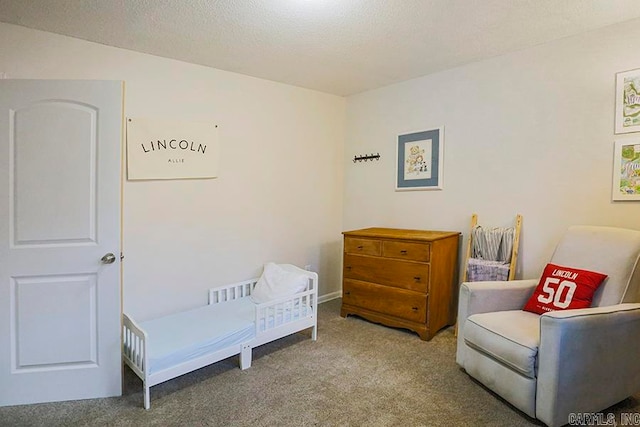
(134, 350)
(231, 292)
(293, 312)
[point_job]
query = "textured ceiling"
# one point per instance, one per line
(336, 46)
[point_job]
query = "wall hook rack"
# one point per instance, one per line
(366, 157)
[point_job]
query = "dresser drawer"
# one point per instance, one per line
(382, 299)
(385, 271)
(362, 246)
(406, 250)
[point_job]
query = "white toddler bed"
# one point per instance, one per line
(232, 324)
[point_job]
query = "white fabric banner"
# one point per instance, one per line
(171, 149)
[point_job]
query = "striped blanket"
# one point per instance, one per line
(490, 253)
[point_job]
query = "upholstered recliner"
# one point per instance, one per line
(561, 362)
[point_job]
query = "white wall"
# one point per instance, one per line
(530, 132)
(279, 192)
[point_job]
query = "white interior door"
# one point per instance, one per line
(60, 302)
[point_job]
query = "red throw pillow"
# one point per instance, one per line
(564, 288)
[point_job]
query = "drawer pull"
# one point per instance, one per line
(416, 278)
(347, 292)
(348, 267)
(360, 247)
(414, 308)
(403, 252)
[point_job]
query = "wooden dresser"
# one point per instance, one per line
(401, 278)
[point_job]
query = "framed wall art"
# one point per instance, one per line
(171, 149)
(627, 101)
(626, 170)
(419, 158)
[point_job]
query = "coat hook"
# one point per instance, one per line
(366, 157)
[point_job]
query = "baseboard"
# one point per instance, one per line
(329, 297)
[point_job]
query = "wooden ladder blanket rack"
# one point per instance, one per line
(512, 259)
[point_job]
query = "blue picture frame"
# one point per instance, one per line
(419, 158)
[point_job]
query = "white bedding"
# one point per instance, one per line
(183, 336)
(189, 334)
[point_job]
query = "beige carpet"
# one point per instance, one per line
(356, 374)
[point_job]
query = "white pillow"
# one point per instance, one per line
(276, 282)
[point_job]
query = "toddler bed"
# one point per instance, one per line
(238, 318)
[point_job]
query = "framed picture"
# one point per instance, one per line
(626, 170)
(628, 101)
(171, 149)
(419, 160)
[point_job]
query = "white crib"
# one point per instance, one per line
(165, 348)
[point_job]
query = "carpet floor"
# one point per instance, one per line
(356, 374)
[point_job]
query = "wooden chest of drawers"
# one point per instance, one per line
(401, 278)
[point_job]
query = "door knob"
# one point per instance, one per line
(108, 258)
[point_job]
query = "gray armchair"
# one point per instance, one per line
(560, 362)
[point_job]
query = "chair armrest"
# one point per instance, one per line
(587, 360)
(484, 297)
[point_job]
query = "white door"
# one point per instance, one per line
(60, 302)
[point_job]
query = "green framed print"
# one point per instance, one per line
(626, 170)
(627, 101)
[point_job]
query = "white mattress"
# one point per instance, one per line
(189, 334)
(186, 335)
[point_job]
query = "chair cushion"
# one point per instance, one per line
(510, 337)
(564, 288)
